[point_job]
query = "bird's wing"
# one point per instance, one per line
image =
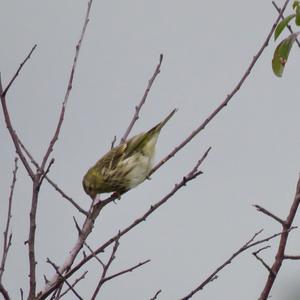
(111, 159)
(135, 144)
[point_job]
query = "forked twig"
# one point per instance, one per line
(64, 279)
(51, 182)
(255, 254)
(105, 268)
(73, 284)
(249, 244)
(8, 122)
(280, 255)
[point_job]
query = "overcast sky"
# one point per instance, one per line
(207, 46)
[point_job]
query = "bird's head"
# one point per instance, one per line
(89, 184)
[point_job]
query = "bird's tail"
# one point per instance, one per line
(160, 125)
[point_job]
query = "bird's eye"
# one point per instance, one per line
(88, 187)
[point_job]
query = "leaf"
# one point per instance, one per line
(297, 21)
(295, 4)
(281, 54)
(280, 27)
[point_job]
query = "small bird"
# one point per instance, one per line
(124, 166)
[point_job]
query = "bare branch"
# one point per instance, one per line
(31, 239)
(288, 26)
(69, 88)
(227, 98)
(56, 187)
(11, 130)
(73, 284)
(64, 279)
(139, 106)
(280, 255)
(86, 244)
(249, 244)
(7, 238)
(4, 292)
(88, 225)
(268, 213)
(105, 268)
(3, 93)
(156, 294)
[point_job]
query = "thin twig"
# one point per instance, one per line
(292, 257)
(7, 238)
(22, 294)
(47, 171)
(3, 93)
(86, 244)
(249, 244)
(288, 26)
(255, 254)
(105, 268)
(64, 279)
(56, 187)
(9, 126)
(139, 106)
(268, 213)
(156, 294)
(64, 195)
(113, 142)
(226, 100)
(126, 270)
(92, 252)
(69, 88)
(73, 284)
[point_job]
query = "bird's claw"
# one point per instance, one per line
(116, 195)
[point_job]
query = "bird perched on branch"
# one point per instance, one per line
(125, 166)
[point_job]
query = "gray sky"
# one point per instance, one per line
(207, 46)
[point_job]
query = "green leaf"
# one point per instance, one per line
(295, 4)
(281, 54)
(280, 27)
(298, 15)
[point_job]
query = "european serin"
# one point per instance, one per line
(124, 166)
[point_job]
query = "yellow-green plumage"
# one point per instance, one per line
(124, 166)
